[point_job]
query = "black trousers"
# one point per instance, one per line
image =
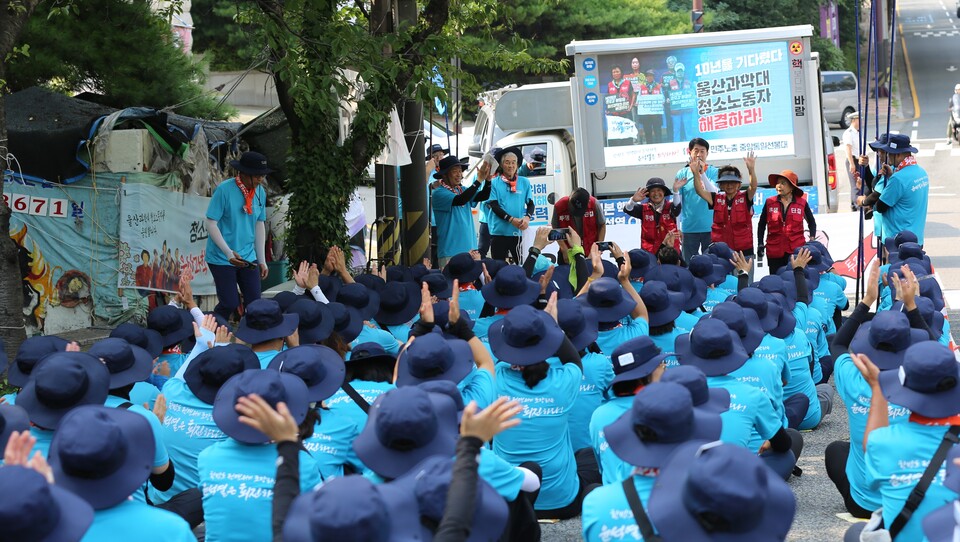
(506, 246)
(588, 471)
(835, 457)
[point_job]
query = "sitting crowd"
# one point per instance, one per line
(655, 400)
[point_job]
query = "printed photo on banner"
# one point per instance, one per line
(163, 236)
(737, 97)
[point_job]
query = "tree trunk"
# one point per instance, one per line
(13, 17)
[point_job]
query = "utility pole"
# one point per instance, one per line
(413, 182)
(388, 227)
(696, 16)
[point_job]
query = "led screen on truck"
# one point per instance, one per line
(737, 97)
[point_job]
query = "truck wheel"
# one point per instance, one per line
(844, 123)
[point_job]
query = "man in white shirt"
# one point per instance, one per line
(851, 143)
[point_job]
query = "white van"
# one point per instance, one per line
(839, 91)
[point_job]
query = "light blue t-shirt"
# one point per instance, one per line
(686, 321)
(827, 298)
(380, 336)
(729, 285)
(856, 394)
(817, 336)
(133, 520)
(543, 435)
(799, 358)
(612, 468)
(945, 336)
(481, 326)
(188, 429)
(879, 229)
(238, 228)
(342, 402)
(455, 230)
(44, 439)
(715, 296)
(631, 328)
(478, 386)
(237, 483)
(764, 375)
(143, 392)
(174, 360)
(607, 515)
(667, 343)
(505, 479)
(906, 193)
(750, 411)
(471, 302)
(836, 279)
(513, 203)
(597, 375)
(895, 459)
(695, 216)
(331, 444)
(400, 332)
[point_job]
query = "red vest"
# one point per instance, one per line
(784, 233)
(652, 233)
(589, 233)
(735, 228)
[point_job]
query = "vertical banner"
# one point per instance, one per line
(162, 235)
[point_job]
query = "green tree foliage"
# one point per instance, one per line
(226, 33)
(311, 42)
(543, 28)
(115, 48)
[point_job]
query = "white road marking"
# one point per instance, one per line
(952, 298)
(915, 124)
(913, 134)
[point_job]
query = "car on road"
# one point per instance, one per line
(839, 90)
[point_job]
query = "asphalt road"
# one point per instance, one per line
(932, 42)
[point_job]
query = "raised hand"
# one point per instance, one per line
(545, 279)
(873, 284)
(300, 275)
(750, 160)
(870, 372)
(454, 313)
(542, 238)
(313, 277)
(596, 261)
(551, 307)
(159, 407)
(640, 194)
(277, 424)
(426, 304)
(801, 259)
(491, 421)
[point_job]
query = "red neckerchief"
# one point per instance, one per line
(456, 190)
(923, 420)
(247, 195)
(467, 286)
(502, 311)
(512, 183)
(172, 350)
(908, 161)
(651, 472)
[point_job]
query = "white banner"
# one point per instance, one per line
(162, 235)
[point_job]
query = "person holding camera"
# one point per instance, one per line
(581, 212)
(236, 245)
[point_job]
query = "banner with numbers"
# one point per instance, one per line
(162, 235)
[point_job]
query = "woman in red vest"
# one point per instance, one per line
(581, 212)
(732, 207)
(658, 216)
(784, 214)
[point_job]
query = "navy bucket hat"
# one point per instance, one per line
(371, 281)
(346, 321)
(510, 288)
(885, 339)
(635, 359)
(607, 297)
(429, 482)
(357, 296)
(62, 382)
(320, 368)
(578, 322)
(934, 318)
(370, 352)
(755, 300)
(288, 298)
(663, 306)
(661, 418)
(712, 347)
(315, 320)
(439, 285)
(716, 400)
(41, 511)
(720, 492)
(209, 371)
(127, 363)
(30, 353)
(432, 357)
(703, 267)
(272, 386)
(399, 303)
(463, 268)
(12, 418)
(680, 279)
(927, 383)
(525, 336)
(405, 426)
(102, 454)
(441, 318)
(640, 262)
(148, 339)
(264, 321)
(173, 324)
(743, 322)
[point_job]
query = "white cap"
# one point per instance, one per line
(956, 87)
